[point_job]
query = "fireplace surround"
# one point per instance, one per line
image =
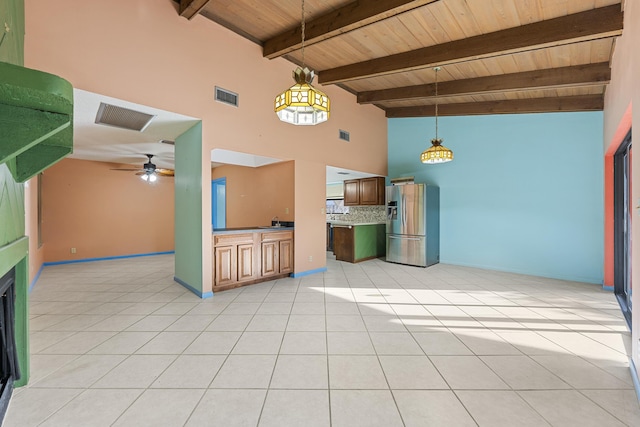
(9, 364)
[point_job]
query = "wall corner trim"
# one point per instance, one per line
(635, 378)
(203, 295)
(309, 272)
(35, 279)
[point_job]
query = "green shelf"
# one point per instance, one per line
(36, 120)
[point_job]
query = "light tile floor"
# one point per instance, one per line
(119, 343)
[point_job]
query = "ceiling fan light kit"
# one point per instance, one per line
(149, 171)
(302, 104)
(437, 153)
(149, 177)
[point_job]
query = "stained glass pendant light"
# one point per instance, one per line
(302, 104)
(437, 153)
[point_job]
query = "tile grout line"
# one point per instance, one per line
(395, 402)
(266, 394)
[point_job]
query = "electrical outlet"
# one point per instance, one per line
(286, 210)
(73, 250)
(310, 258)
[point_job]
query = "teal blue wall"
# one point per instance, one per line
(523, 194)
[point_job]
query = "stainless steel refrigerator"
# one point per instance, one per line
(413, 224)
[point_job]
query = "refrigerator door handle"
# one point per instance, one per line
(404, 238)
(404, 211)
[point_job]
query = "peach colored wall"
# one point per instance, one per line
(154, 57)
(36, 252)
(256, 195)
(144, 52)
(104, 213)
(622, 94)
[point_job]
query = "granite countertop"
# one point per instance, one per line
(354, 223)
(257, 229)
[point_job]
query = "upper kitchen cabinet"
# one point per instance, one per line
(372, 191)
(352, 192)
(364, 192)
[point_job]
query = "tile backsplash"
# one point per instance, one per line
(360, 214)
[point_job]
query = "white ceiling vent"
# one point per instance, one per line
(226, 96)
(124, 118)
(344, 135)
(167, 141)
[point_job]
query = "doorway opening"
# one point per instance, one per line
(219, 203)
(623, 209)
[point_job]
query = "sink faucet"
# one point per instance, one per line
(277, 220)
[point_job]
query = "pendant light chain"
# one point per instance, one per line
(437, 153)
(303, 27)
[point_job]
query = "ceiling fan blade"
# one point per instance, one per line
(127, 170)
(165, 172)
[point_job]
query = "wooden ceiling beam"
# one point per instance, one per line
(593, 24)
(190, 8)
(552, 78)
(352, 16)
(517, 106)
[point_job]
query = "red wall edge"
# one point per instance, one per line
(621, 132)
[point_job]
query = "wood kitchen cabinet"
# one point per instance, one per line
(246, 258)
(364, 192)
(234, 256)
(359, 242)
(277, 253)
(372, 191)
(286, 256)
(343, 246)
(352, 192)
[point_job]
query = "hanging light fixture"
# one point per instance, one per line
(437, 153)
(302, 104)
(149, 176)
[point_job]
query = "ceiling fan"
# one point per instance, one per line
(149, 171)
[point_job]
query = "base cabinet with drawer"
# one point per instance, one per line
(234, 257)
(246, 258)
(277, 253)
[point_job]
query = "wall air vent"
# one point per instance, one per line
(344, 135)
(226, 96)
(123, 118)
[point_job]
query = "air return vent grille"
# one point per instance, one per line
(124, 118)
(344, 135)
(226, 96)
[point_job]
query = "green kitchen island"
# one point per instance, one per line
(355, 242)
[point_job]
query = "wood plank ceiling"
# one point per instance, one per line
(496, 57)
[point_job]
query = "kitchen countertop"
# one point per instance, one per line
(354, 223)
(240, 230)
